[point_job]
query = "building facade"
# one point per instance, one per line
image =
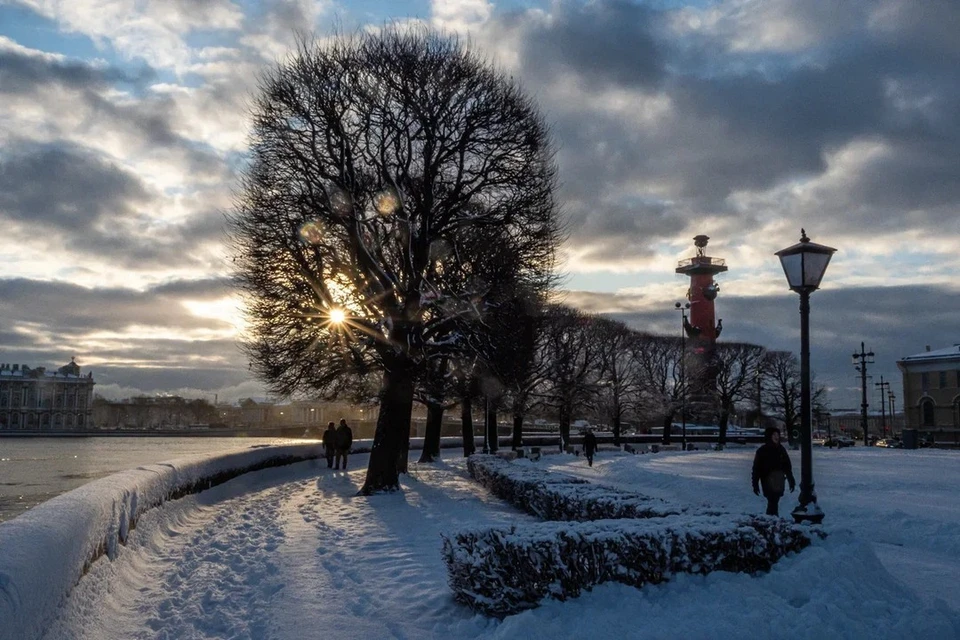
(34, 399)
(931, 389)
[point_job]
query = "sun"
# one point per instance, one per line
(337, 316)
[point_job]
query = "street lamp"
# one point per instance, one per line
(682, 308)
(860, 362)
(804, 265)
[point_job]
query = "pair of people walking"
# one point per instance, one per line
(336, 443)
(771, 470)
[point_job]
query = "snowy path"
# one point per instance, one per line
(271, 553)
(292, 553)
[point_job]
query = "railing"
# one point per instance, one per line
(707, 260)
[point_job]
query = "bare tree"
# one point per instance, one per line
(661, 383)
(735, 366)
(781, 390)
(436, 385)
(572, 356)
(379, 163)
(618, 370)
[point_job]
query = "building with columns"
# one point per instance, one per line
(34, 399)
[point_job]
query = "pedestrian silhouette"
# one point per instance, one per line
(330, 443)
(771, 467)
(589, 445)
(343, 443)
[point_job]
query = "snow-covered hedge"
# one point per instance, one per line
(555, 496)
(503, 570)
(45, 551)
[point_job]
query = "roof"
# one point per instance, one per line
(948, 353)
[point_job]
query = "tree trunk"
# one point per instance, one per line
(616, 428)
(667, 424)
(564, 420)
(392, 436)
(517, 431)
(490, 424)
(431, 437)
(466, 420)
(724, 420)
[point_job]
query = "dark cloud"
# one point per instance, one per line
(22, 73)
(66, 187)
(64, 309)
(745, 119)
(47, 323)
(607, 42)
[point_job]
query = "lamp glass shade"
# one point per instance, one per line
(804, 264)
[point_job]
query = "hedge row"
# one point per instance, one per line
(598, 534)
(554, 496)
(501, 571)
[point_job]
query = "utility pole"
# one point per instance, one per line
(893, 413)
(860, 362)
(884, 388)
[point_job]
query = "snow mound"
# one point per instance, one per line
(47, 550)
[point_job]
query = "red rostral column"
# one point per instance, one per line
(702, 328)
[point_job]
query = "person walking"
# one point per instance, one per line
(330, 443)
(771, 468)
(344, 440)
(589, 445)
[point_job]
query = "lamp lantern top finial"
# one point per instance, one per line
(803, 235)
(700, 242)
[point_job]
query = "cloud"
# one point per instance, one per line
(152, 30)
(662, 128)
(151, 340)
(64, 187)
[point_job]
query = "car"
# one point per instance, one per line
(889, 443)
(839, 442)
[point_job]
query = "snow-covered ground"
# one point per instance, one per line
(292, 552)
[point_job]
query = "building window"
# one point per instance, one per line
(943, 379)
(924, 381)
(926, 413)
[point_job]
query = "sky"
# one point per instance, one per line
(123, 126)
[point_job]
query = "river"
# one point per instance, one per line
(33, 470)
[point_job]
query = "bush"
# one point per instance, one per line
(554, 496)
(500, 571)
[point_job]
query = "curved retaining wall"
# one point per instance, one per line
(45, 551)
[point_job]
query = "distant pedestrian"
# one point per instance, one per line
(771, 468)
(330, 443)
(343, 443)
(589, 445)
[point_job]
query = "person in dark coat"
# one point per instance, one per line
(771, 467)
(589, 445)
(330, 443)
(344, 440)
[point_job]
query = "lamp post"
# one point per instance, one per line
(682, 308)
(804, 265)
(860, 362)
(884, 388)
